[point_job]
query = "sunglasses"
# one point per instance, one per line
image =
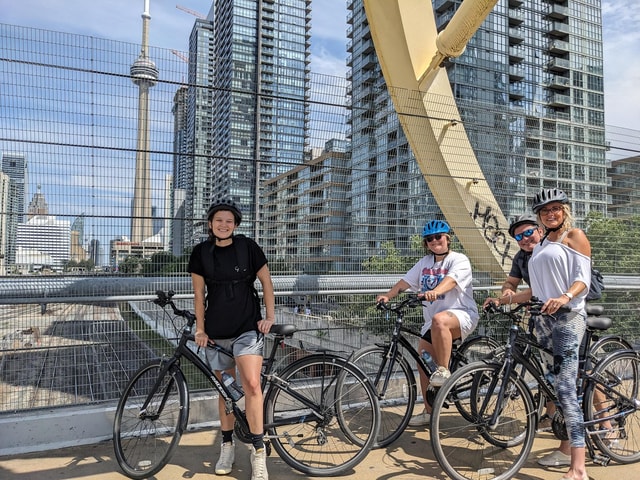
(525, 234)
(431, 238)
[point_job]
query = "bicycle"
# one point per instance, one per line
(320, 412)
(393, 376)
(598, 346)
(495, 443)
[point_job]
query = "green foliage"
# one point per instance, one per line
(613, 243)
(390, 259)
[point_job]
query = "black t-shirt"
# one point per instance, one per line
(232, 305)
(520, 266)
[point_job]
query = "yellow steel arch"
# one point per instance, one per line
(410, 52)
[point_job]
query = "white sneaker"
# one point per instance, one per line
(259, 464)
(555, 459)
(227, 457)
(439, 377)
(420, 420)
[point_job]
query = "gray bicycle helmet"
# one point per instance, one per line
(546, 196)
(435, 226)
(222, 203)
(526, 219)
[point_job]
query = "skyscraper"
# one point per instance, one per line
(14, 165)
(254, 71)
(529, 88)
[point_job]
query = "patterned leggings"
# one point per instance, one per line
(563, 335)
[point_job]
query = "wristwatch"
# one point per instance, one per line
(568, 294)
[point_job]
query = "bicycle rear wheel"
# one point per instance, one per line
(471, 350)
(322, 415)
(398, 398)
(473, 448)
(606, 345)
(613, 394)
(145, 436)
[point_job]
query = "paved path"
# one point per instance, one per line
(408, 458)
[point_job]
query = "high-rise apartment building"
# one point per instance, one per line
(14, 165)
(247, 103)
(529, 88)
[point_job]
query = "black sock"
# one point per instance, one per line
(257, 441)
(226, 436)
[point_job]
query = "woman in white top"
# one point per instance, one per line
(560, 273)
(450, 312)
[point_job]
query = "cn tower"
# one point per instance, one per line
(144, 74)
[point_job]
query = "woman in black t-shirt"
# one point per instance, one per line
(223, 270)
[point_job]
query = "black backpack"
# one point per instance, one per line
(241, 244)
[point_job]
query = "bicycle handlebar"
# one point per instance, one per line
(533, 304)
(413, 300)
(163, 299)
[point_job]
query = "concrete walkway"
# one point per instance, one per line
(410, 457)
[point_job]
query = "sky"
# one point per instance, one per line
(170, 28)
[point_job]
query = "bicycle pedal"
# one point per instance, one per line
(602, 460)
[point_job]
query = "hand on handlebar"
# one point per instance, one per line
(553, 305)
(201, 339)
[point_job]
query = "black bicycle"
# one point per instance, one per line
(321, 413)
(495, 443)
(390, 371)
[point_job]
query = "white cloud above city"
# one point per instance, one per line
(170, 28)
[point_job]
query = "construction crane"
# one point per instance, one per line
(191, 12)
(180, 56)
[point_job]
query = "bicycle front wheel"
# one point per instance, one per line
(395, 384)
(496, 441)
(322, 415)
(612, 395)
(151, 416)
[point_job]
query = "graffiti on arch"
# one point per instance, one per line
(497, 237)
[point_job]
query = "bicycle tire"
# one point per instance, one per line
(606, 345)
(473, 349)
(614, 392)
(144, 442)
(459, 445)
(399, 398)
(334, 415)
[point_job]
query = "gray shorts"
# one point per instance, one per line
(249, 343)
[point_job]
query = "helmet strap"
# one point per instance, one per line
(551, 230)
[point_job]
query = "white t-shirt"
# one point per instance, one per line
(427, 274)
(554, 267)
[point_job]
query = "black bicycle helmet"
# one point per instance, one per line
(526, 219)
(435, 226)
(223, 203)
(546, 196)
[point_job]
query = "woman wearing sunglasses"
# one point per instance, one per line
(449, 311)
(560, 273)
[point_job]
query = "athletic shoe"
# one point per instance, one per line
(555, 459)
(259, 464)
(440, 376)
(227, 457)
(420, 420)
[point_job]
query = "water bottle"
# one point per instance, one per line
(428, 360)
(234, 389)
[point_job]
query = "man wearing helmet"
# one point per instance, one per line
(223, 270)
(450, 312)
(560, 270)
